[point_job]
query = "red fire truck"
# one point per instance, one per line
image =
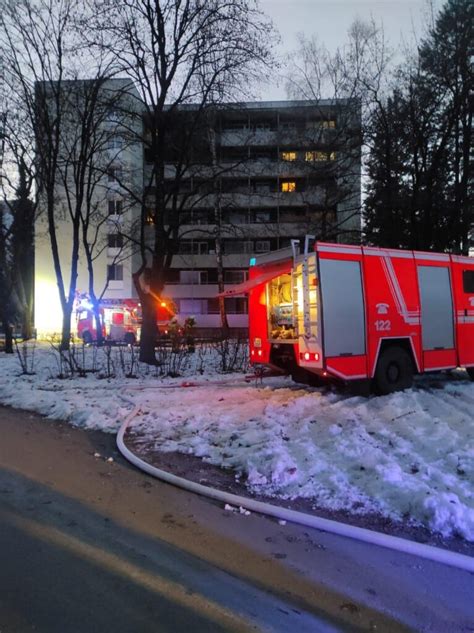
(359, 313)
(121, 319)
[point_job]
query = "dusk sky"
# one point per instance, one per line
(329, 20)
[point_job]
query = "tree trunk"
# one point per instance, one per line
(220, 284)
(99, 333)
(149, 332)
(66, 329)
(26, 323)
(8, 330)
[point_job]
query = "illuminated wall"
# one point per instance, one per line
(124, 156)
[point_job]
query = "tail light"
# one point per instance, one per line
(309, 356)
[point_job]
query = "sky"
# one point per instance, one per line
(329, 21)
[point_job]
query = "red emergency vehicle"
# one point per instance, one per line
(360, 313)
(121, 321)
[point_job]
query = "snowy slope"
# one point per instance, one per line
(407, 456)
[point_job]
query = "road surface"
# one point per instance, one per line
(88, 545)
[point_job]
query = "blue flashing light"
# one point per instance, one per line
(253, 261)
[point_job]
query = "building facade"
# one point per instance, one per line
(96, 193)
(261, 174)
(270, 172)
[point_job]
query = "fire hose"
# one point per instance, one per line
(428, 552)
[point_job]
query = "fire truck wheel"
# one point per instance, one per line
(394, 371)
(470, 372)
(86, 337)
(129, 338)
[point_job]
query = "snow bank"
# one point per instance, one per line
(406, 456)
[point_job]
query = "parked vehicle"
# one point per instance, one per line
(120, 320)
(359, 313)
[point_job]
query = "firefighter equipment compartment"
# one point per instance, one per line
(281, 320)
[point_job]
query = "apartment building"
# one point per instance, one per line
(261, 174)
(270, 172)
(116, 169)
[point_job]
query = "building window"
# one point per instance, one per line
(316, 156)
(213, 306)
(149, 217)
(115, 207)
(288, 156)
(262, 246)
(235, 276)
(264, 125)
(193, 277)
(115, 142)
(192, 306)
(236, 305)
(232, 126)
(114, 174)
(189, 247)
(288, 186)
(115, 240)
(262, 215)
(328, 124)
(234, 216)
(201, 216)
(113, 115)
(115, 272)
(236, 247)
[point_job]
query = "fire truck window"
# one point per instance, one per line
(83, 316)
(468, 281)
(437, 318)
(117, 318)
(280, 308)
(343, 307)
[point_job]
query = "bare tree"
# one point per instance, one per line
(178, 53)
(45, 59)
(18, 216)
(345, 87)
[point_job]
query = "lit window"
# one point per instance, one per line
(319, 156)
(328, 124)
(311, 157)
(288, 186)
(149, 217)
(288, 156)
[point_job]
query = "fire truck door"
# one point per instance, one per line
(343, 307)
(464, 284)
(437, 317)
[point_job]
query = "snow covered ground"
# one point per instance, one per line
(406, 456)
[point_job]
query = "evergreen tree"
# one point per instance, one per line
(420, 189)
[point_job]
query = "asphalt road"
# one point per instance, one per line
(87, 545)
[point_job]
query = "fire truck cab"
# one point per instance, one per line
(359, 313)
